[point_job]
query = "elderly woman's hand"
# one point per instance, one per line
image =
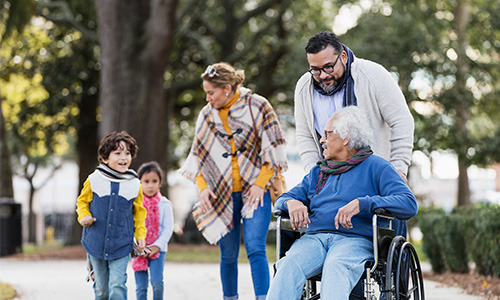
(255, 196)
(299, 216)
(205, 196)
(345, 214)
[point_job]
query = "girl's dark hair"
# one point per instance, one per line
(148, 167)
(111, 142)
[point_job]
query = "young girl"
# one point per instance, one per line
(160, 223)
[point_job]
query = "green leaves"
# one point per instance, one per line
(14, 15)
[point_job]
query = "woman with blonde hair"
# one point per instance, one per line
(237, 149)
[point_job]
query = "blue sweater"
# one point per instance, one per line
(374, 182)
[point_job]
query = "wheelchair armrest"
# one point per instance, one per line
(382, 212)
(280, 213)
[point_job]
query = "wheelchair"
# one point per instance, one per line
(393, 274)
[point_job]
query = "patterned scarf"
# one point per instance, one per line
(211, 155)
(346, 80)
(140, 263)
(330, 167)
(129, 174)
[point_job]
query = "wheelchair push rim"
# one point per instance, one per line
(408, 271)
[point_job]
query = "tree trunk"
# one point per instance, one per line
(87, 151)
(463, 101)
(135, 39)
(31, 216)
(6, 189)
(463, 183)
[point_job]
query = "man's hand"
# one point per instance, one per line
(205, 196)
(402, 176)
(345, 214)
(87, 220)
(299, 216)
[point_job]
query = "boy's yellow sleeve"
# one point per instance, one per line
(83, 201)
(140, 214)
(264, 176)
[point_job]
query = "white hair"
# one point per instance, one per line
(350, 122)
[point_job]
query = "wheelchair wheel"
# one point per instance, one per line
(391, 264)
(409, 283)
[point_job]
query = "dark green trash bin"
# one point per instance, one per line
(10, 227)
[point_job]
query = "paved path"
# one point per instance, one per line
(64, 279)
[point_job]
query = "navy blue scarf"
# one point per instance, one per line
(346, 80)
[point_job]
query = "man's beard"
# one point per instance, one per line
(329, 88)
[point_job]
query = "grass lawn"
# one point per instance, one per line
(6, 291)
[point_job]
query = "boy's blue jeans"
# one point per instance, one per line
(254, 235)
(110, 278)
(155, 267)
(341, 259)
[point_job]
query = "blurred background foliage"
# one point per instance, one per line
(443, 53)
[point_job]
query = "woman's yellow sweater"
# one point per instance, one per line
(265, 173)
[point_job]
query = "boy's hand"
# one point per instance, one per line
(141, 244)
(87, 220)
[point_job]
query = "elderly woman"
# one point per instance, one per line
(336, 201)
(238, 147)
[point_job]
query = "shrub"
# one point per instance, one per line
(484, 237)
(429, 219)
(453, 243)
(451, 240)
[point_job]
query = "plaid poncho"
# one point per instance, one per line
(211, 151)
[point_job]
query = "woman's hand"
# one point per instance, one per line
(299, 217)
(205, 196)
(345, 214)
(255, 196)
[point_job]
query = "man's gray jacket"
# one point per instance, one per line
(383, 103)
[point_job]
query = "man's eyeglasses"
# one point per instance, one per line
(327, 69)
(211, 72)
(326, 133)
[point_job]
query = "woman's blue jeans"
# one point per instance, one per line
(110, 278)
(340, 258)
(155, 267)
(254, 235)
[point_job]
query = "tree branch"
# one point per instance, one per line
(52, 172)
(187, 12)
(257, 11)
(66, 18)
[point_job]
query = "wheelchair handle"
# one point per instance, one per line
(384, 213)
(280, 213)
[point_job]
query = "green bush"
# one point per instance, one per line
(468, 233)
(484, 236)
(453, 243)
(429, 219)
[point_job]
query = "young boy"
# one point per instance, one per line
(111, 212)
